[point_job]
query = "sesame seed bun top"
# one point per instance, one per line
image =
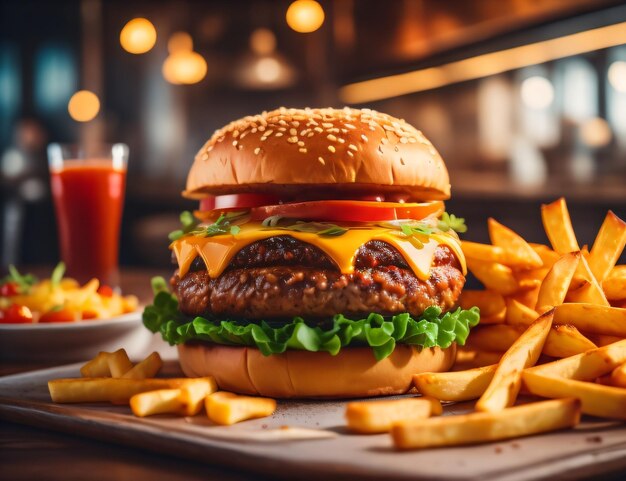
(295, 151)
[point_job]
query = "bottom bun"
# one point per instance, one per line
(302, 374)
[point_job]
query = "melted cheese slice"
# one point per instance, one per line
(217, 251)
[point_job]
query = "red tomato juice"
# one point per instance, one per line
(89, 197)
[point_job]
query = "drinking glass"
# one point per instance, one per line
(88, 185)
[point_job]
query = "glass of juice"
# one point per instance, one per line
(88, 190)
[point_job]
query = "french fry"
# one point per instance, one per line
(527, 298)
(556, 283)
(227, 408)
(558, 227)
(193, 394)
(548, 256)
(456, 385)
(119, 364)
(516, 250)
(591, 292)
(525, 420)
(614, 285)
(518, 315)
(97, 367)
(112, 389)
(161, 401)
(370, 417)
(482, 252)
(586, 366)
(597, 400)
(498, 337)
(494, 276)
(565, 341)
(491, 304)
(505, 385)
(618, 376)
(591, 318)
(149, 367)
(602, 340)
(608, 246)
(468, 358)
(188, 400)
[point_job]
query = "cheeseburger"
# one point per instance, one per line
(320, 263)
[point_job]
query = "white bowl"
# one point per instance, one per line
(73, 341)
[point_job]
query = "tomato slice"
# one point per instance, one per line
(9, 289)
(62, 315)
(105, 291)
(16, 314)
(237, 201)
(349, 210)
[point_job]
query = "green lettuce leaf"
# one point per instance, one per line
(380, 333)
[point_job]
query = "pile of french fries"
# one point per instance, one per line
(112, 377)
(524, 280)
(539, 303)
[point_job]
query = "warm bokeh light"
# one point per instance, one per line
(180, 42)
(596, 132)
(184, 68)
(83, 106)
(617, 75)
(263, 41)
(305, 16)
(138, 36)
(537, 92)
(267, 69)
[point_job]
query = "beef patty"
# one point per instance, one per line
(282, 277)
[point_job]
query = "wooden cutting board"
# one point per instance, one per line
(308, 439)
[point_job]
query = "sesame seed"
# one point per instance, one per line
(293, 132)
(403, 140)
(388, 127)
(210, 148)
(292, 140)
(282, 129)
(263, 138)
(239, 147)
(304, 132)
(327, 125)
(350, 126)
(236, 133)
(300, 144)
(321, 161)
(279, 134)
(254, 130)
(332, 138)
(269, 132)
(319, 130)
(363, 138)
(311, 134)
(341, 141)
(234, 143)
(295, 123)
(257, 150)
(303, 150)
(350, 154)
(331, 148)
(220, 139)
(352, 147)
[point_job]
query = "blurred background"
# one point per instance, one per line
(525, 99)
